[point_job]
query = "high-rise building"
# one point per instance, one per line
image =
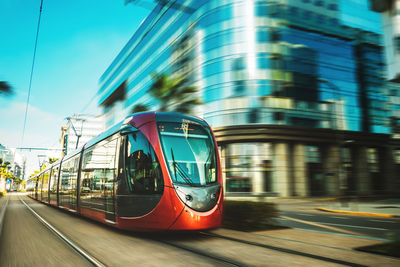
(390, 10)
(16, 165)
(293, 89)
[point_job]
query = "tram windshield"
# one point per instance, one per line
(190, 152)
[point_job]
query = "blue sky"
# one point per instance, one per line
(77, 41)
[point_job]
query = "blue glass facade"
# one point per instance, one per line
(284, 63)
(270, 62)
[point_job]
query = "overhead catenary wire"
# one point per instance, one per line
(31, 76)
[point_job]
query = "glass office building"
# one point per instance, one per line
(296, 97)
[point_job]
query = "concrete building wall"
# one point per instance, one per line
(301, 186)
(362, 175)
(281, 170)
(332, 168)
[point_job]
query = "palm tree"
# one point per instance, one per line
(139, 108)
(5, 88)
(52, 160)
(173, 94)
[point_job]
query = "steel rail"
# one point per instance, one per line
(284, 250)
(79, 250)
(224, 260)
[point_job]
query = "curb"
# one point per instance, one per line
(2, 213)
(359, 213)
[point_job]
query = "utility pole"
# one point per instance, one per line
(78, 135)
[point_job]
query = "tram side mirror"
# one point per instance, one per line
(127, 130)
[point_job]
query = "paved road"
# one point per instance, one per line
(111, 247)
(337, 223)
(25, 241)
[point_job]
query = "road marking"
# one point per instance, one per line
(382, 221)
(333, 233)
(353, 226)
(343, 218)
(323, 226)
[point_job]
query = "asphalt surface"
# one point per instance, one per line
(31, 245)
(358, 225)
(305, 216)
(26, 242)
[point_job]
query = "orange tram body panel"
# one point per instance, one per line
(153, 171)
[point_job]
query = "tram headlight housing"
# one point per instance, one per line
(199, 198)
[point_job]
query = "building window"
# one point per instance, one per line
(239, 87)
(307, 15)
(293, 11)
(262, 36)
(397, 44)
(320, 19)
(333, 7)
(274, 35)
(334, 22)
(372, 159)
(397, 156)
(313, 154)
(239, 64)
(319, 3)
(261, 11)
(253, 116)
(263, 63)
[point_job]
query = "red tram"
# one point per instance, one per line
(153, 171)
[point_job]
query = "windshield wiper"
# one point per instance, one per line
(181, 171)
(174, 163)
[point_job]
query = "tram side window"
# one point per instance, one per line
(39, 186)
(98, 170)
(64, 179)
(142, 167)
(53, 184)
(69, 171)
(45, 188)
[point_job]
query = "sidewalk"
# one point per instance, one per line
(389, 208)
(3, 202)
(364, 206)
(293, 246)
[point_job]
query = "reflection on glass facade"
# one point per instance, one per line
(297, 63)
(270, 62)
(249, 167)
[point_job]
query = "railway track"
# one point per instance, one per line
(80, 251)
(112, 247)
(28, 239)
(189, 242)
(285, 250)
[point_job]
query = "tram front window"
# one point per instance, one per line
(190, 152)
